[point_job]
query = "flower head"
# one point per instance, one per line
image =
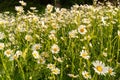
(36, 54)
(8, 52)
(55, 49)
(84, 54)
(86, 75)
(55, 71)
(2, 46)
(100, 67)
(82, 29)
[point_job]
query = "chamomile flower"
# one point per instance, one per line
(55, 49)
(100, 67)
(22, 3)
(19, 9)
(2, 46)
(119, 33)
(36, 47)
(86, 75)
(51, 66)
(82, 30)
(36, 54)
(8, 52)
(84, 54)
(55, 71)
(73, 76)
(28, 37)
(2, 35)
(110, 71)
(73, 34)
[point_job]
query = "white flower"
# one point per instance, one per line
(58, 59)
(51, 66)
(18, 53)
(41, 60)
(55, 49)
(86, 75)
(100, 67)
(36, 47)
(110, 71)
(73, 76)
(28, 37)
(19, 8)
(73, 34)
(82, 29)
(2, 35)
(55, 71)
(2, 46)
(22, 3)
(36, 54)
(84, 54)
(8, 52)
(49, 8)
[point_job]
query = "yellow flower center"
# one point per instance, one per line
(82, 30)
(84, 54)
(99, 68)
(110, 71)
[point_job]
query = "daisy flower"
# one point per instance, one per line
(73, 76)
(100, 67)
(8, 52)
(51, 66)
(36, 47)
(36, 54)
(28, 37)
(2, 35)
(22, 3)
(82, 30)
(55, 49)
(86, 75)
(84, 54)
(55, 71)
(2, 46)
(110, 71)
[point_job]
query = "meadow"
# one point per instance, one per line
(80, 43)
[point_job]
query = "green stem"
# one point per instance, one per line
(5, 68)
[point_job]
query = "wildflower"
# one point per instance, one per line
(49, 8)
(2, 35)
(14, 57)
(99, 67)
(28, 37)
(105, 54)
(58, 59)
(84, 54)
(22, 3)
(19, 9)
(51, 66)
(55, 49)
(86, 75)
(110, 71)
(18, 53)
(8, 52)
(36, 47)
(45, 54)
(55, 71)
(73, 76)
(35, 54)
(82, 30)
(41, 60)
(73, 34)
(2, 46)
